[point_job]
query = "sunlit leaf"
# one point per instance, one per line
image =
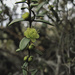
(25, 15)
(23, 43)
(16, 20)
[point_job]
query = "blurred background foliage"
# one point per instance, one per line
(56, 42)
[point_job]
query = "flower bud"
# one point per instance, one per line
(31, 46)
(26, 58)
(30, 58)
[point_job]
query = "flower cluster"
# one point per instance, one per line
(32, 34)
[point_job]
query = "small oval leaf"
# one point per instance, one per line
(23, 43)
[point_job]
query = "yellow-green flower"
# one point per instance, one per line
(32, 34)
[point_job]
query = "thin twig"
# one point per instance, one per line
(30, 22)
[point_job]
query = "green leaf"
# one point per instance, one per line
(34, 72)
(39, 52)
(35, 1)
(16, 20)
(17, 50)
(34, 5)
(24, 72)
(44, 21)
(1, 12)
(24, 68)
(40, 6)
(42, 14)
(55, 14)
(25, 64)
(23, 43)
(24, 8)
(50, 17)
(23, 1)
